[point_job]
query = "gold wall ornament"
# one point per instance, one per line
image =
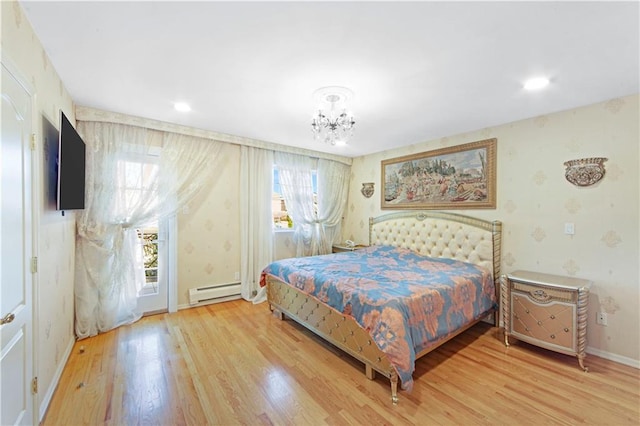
(367, 189)
(585, 171)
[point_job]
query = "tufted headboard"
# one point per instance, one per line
(439, 234)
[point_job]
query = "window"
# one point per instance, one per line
(281, 218)
(136, 178)
(147, 254)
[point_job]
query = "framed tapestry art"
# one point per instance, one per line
(457, 177)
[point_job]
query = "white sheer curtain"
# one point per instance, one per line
(333, 191)
(296, 185)
(122, 195)
(256, 218)
(314, 228)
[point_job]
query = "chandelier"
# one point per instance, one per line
(335, 126)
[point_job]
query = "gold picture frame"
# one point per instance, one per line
(457, 177)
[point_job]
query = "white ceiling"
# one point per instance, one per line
(419, 70)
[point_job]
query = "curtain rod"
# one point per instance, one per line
(92, 114)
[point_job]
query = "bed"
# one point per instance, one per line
(379, 304)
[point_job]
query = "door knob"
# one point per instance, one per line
(7, 319)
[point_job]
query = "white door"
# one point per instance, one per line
(137, 175)
(152, 251)
(16, 356)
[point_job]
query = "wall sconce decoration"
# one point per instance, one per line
(367, 189)
(585, 171)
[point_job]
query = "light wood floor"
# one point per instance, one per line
(235, 363)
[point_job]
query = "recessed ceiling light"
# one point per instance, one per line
(182, 107)
(536, 83)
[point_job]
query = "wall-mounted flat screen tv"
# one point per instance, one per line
(71, 167)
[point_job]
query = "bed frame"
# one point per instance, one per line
(435, 234)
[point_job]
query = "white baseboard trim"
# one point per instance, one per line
(46, 399)
(613, 357)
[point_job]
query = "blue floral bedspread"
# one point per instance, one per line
(406, 302)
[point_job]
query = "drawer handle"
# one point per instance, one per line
(552, 317)
(566, 330)
(553, 336)
(539, 322)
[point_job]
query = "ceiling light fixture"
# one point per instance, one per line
(182, 107)
(536, 83)
(335, 126)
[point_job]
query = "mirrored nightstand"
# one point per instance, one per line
(546, 310)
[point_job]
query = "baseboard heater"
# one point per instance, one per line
(214, 293)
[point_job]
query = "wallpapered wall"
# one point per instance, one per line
(534, 201)
(209, 232)
(55, 233)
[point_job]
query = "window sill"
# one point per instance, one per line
(282, 230)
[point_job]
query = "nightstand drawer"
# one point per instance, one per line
(552, 323)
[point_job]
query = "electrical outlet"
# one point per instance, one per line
(601, 318)
(236, 276)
